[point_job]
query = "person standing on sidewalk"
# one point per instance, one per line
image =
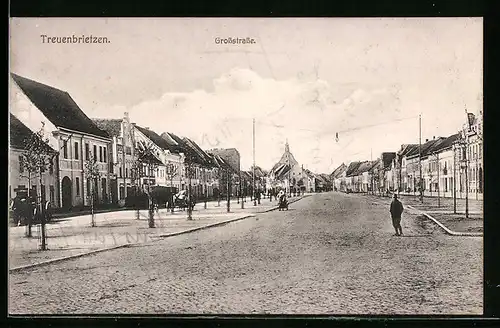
(396, 211)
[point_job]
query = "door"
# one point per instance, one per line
(67, 193)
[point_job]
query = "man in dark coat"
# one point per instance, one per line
(396, 211)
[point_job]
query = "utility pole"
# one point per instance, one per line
(228, 193)
(439, 199)
(189, 209)
(420, 156)
(466, 177)
(205, 186)
(241, 191)
(454, 181)
(253, 167)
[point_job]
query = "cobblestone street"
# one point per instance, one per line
(331, 253)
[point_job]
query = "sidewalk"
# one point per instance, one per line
(74, 236)
(443, 213)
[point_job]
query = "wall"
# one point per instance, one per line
(49, 180)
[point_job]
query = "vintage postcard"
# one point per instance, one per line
(220, 166)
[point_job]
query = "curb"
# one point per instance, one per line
(448, 231)
(52, 261)
(203, 227)
(60, 259)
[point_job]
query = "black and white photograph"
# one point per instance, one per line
(248, 166)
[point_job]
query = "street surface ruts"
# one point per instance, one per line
(331, 253)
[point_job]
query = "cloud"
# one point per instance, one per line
(306, 113)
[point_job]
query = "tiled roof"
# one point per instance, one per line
(425, 147)
(284, 160)
(444, 143)
(58, 106)
(387, 159)
(156, 139)
(338, 171)
(181, 146)
(20, 134)
(352, 168)
(201, 157)
(111, 126)
(282, 170)
(407, 148)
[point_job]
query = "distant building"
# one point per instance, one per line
(338, 178)
(287, 173)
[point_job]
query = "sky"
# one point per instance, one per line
(304, 80)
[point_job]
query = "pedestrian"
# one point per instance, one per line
(396, 211)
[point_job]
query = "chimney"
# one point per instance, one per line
(426, 140)
(433, 137)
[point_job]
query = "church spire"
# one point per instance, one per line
(287, 148)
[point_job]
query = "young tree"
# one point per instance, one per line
(93, 175)
(146, 163)
(36, 158)
(171, 172)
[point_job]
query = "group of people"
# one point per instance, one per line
(23, 209)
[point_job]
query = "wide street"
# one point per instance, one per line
(331, 253)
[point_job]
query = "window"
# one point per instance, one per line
(51, 194)
(77, 182)
(51, 167)
(88, 187)
(126, 172)
(128, 150)
(43, 194)
(21, 165)
(65, 149)
(76, 150)
(105, 154)
(87, 151)
(480, 150)
(34, 191)
(100, 154)
(95, 153)
(120, 172)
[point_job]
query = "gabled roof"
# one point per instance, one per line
(282, 170)
(246, 175)
(111, 126)
(351, 169)
(425, 147)
(20, 134)
(58, 107)
(444, 143)
(259, 173)
(377, 166)
(286, 158)
(387, 159)
(338, 171)
(156, 139)
(201, 157)
(407, 148)
(362, 167)
(325, 178)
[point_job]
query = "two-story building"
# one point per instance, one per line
(123, 158)
(472, 135)
(71, 133)
(338, 178)
(19, 180)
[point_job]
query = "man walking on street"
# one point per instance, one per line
(396, 211)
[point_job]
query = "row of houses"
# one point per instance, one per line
(289, 175)
(443, 164)
(113, 145)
